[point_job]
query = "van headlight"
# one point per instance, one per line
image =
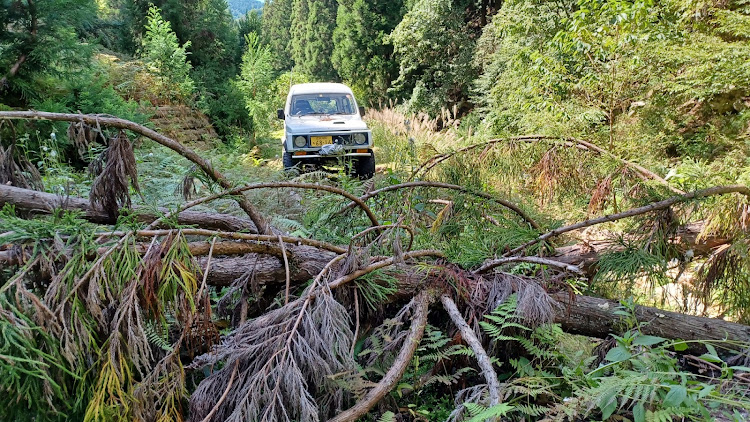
(360, 138)
(300, 141)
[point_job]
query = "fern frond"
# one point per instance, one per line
(387, 417)
(157, 336)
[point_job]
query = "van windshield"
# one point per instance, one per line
(311, 104)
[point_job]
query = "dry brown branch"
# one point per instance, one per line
(382, 264)
(716, 190)
(110, 190)
(232, 235)
(16, 169)
(394, 374)
(201, 248)
(208, 267)
(485, 364)
(257, 218)
(224, 394)
(433, 161)
(286, 270)
(507, 204)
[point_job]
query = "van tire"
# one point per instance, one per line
(288, 162)
(364, 167)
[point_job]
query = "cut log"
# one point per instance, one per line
(596, 317)
(45, 203)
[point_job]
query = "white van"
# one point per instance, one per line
(323, 124)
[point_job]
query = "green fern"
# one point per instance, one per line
(293, 227)
(387, 417)
(502, 319)
(479, 413)
(157, 335)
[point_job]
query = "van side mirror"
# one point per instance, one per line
(280, 114)
(361, 111)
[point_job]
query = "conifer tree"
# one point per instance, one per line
(39, 38)
(277, 22)
(363, 54)
(313, 22)
(434, 51)
(165, 56)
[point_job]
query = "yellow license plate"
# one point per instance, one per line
(319, 141)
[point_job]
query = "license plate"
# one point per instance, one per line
(319, 141)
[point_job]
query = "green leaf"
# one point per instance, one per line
(706, 390)
(676, 396)
(608, 408)
(639, 413)
(711, 350)
(710, 358)
(618, 354)
(680, 346)
(645, 340)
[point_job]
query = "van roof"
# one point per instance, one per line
(317, 88)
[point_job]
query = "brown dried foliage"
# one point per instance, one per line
(549, 173)
(17, 170)
(84, 136)
(111, 188)
(601, 194)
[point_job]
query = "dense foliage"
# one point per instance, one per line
(604, 86)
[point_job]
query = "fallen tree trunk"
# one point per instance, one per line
(595, 317)
(582, 314)
(100, 120)
(584, 254)
(578, 314)
(45, 203)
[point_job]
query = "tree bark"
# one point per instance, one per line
(484, 361)
(45, 203)
(596, 317)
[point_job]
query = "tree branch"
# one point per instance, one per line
(507, 204)
(418, 323)
(257, 218)
(487, 266)
(570, 142)
(716, 190)
(485, 364)
(311, 186)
